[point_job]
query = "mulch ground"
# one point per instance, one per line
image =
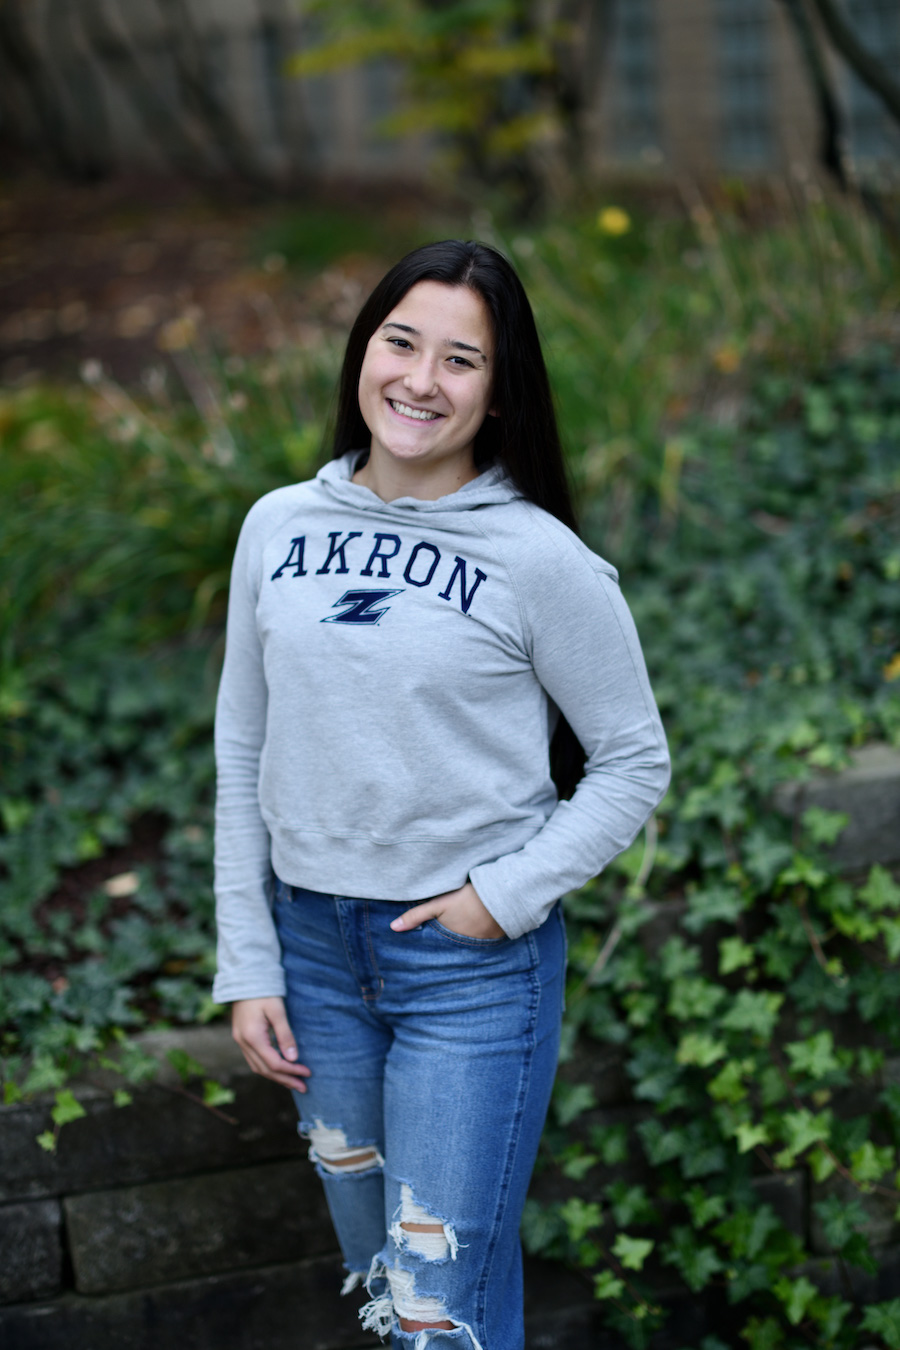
(128, 271)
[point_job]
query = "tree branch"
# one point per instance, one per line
(864, 64)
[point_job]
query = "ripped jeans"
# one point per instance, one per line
(432, 1057)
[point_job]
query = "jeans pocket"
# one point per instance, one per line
(463, 938)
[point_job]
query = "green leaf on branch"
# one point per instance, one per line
(47, 1141)
(184, 1065)
(796, 1296)
(815, 1056)
(700, 1048)
(67, 1108)
(632, 1252)
(216, 1094)
(883, 1319)
(824, 827)
(571, 1100)
(880, 892)
(704, 1207)
(755, 1011)
(580, 1217)
(802, 1129)
(734, 953)
(697, 1262)
(749, 1136)
(870, 1162)
(608, 1285)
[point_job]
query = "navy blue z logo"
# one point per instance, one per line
(360, 607)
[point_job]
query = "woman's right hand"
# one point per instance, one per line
(253, 1023)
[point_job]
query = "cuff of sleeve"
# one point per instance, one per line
(513, 917)
(257, 984)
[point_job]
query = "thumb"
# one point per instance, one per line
(411, 918)
(283, 1034)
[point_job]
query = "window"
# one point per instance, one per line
(745, 83)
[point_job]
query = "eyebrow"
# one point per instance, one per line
(448, 342)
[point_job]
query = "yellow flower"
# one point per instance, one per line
(613, 220)
(727, 359)
(892, 669)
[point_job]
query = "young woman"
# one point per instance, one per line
(407, 635)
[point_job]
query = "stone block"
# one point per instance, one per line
(294, 1306)
(30, 1251)
(787, 1194)
(168, 1230)
(161, 1134)
(869, 793)
(880, 1227)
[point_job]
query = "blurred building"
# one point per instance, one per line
(685, 88)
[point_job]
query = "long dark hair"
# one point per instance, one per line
(523, 437)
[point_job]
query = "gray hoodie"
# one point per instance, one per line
(392, 676)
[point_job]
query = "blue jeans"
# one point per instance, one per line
(432, 1057)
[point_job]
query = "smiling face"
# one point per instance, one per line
(425, 387)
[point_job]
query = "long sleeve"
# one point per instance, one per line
(587, 656)
(249, 959)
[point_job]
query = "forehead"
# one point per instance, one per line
(445, 313)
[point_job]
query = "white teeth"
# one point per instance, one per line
(419, 413)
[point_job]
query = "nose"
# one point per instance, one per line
(421, 378)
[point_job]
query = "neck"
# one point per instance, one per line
(428, 482)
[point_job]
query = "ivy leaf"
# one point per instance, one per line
(700, 1048)
(728, 1084)
(580, 1217)
(713, 904)
(47, 1141)
(703, 1206)
(608, 1285)
(883, 1319)
(814, 1056)
(824, 827)
(840, 1218)
(734, 953)
(629, 1204)
(764, 855)
(697, 1262)
(747, 1231)
(632, 1252)
(749, 1135)
(577, 1166)
(660, 1144)
(870, 1162)
(11, 1093)
(801, 1130)
(692, 996)
(821, 1164)
(67, 1108)
(755, 1011)
(677, 957)
(880, 891)
(763, 1334)
(796, 1295)
(571, 1100)
(611, 1142)
(216, 1094)
(122, 1098)
(184, 1065)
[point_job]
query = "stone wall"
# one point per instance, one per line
(163, 1223)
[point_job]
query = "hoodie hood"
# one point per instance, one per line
(493, 487)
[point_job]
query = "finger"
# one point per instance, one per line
(413, 917)
(281, 1028)
(267, 1062)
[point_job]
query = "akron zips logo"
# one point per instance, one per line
(360, 607)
